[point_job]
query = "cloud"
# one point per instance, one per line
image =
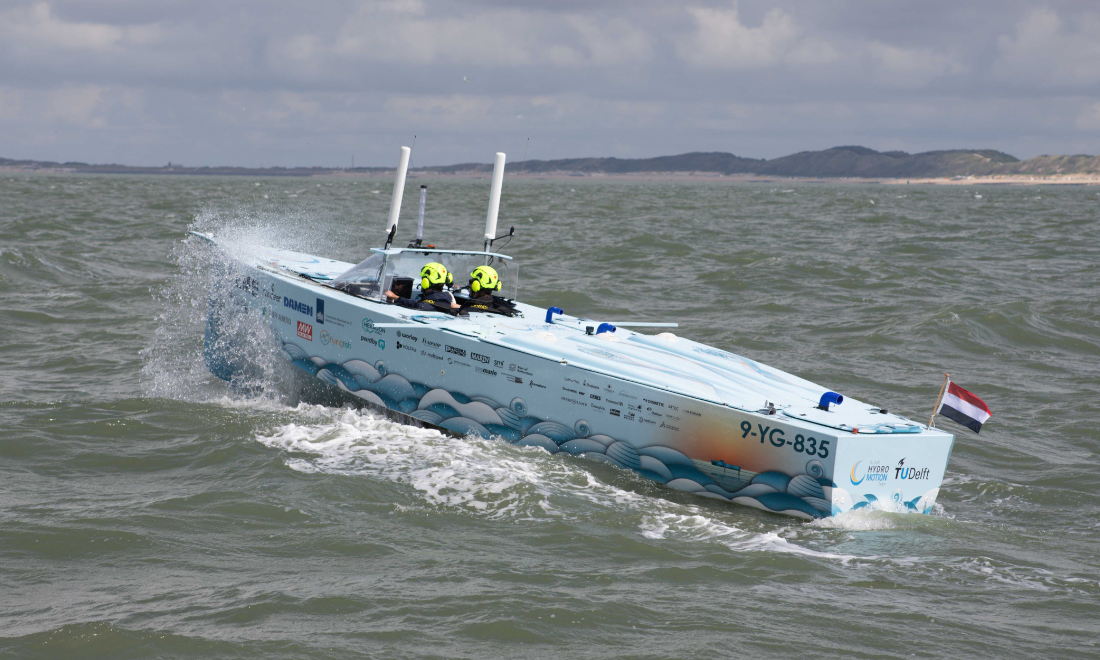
(1044, 51)
(910, 68)
(77, 105)
(285, 82)
(36, 26)
(1089, 118)
(722, 41)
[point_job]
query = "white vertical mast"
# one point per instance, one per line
(494, 200)
(398, 189)
(420, 215)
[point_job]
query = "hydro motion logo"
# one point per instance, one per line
(874, 472)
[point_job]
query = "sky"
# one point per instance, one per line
(251, 83)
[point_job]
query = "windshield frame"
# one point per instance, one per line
(396, 259)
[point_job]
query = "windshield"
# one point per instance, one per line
(376, 273)
(364, 279)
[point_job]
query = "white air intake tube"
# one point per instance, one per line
(398, 189)
(494, 200)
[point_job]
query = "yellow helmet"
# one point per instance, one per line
(434, 274)
(484, 278)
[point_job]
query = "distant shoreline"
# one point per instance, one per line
(1004, 180)
(852, 164)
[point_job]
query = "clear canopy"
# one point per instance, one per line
(374, 275)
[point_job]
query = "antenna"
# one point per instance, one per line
(420, 216)
(398, 191)
(494, 200)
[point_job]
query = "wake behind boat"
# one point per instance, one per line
(693, 417)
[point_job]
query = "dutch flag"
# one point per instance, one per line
(963, 407)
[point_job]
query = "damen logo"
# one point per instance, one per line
(297, 306)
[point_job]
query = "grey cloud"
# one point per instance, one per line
(294, 83)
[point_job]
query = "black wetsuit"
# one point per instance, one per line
(490, 304)
(437, 301)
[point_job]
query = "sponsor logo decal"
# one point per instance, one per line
(628, 395)
(574, 401)
(328, 339)
(406, 347)
(653, 412)
(532, 383)
(305, 331)
(588, 384)
(613, 402)
(874, 472)
(297, 306)
(405, 335)
(271, 295)
(320, 311)
(483, 370)
(458, 362)
(434, 356)
(629, 416)
(498, 364)
(461, 352)
(368, 327)
(595, 396)
(598, 407)
(643, 420)
(484, 359)
(570, 389)
(666, 425)
(429, 342)
(278, 317)
(515, 379)
(380, 343)
(902, 472)
(249, 285)
(337, 321)
(518, 368)
(572, 380)
(692, 412)
(654, 403)
(616, 412)
(675, 417)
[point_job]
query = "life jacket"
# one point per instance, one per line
(435, 301)
(439, 301)
(489, 304)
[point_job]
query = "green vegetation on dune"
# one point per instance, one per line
(837, 162)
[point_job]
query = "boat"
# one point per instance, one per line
(693, 417)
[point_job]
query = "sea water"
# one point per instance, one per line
(148, 510)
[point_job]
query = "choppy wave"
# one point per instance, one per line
(494, 479)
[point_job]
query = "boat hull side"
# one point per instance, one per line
(460, 384)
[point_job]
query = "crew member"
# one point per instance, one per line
(433, 278)
(483, 282)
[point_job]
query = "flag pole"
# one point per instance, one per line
(936, 408)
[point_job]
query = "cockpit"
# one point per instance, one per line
(398, 269)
